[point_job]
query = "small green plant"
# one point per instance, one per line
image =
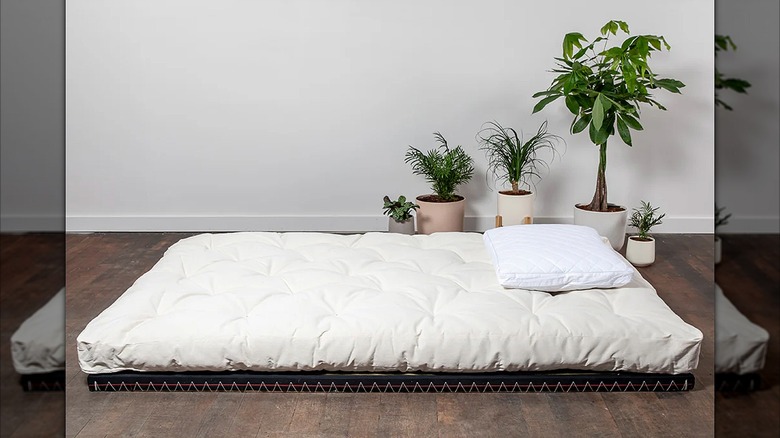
(400, 210)
(724, 43)
(443, 167)
(604, 87)
(645, 218)
(510, 159)
(720, 218)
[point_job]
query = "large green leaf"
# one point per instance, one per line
(598, 113)
(572, 105)
(544, 102)
(571, 40)
(625, 134)
(597, 136)
(632, 122)
(581, 124)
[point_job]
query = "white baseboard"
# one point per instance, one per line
(751, 225)
(76, 224)
(31, 223)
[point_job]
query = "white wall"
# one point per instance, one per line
(748, 137)
(272, 115)
(32, 122)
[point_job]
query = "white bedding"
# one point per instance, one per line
(38, 345)
(373, 302)
(740, 345)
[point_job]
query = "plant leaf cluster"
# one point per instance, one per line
(724, 43)
(400, 210)
(444, 168)
(512, 160)
(645, 218)
(720, 218)
(603, 88)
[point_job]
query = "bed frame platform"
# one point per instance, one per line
(568, 381)
(53, 381)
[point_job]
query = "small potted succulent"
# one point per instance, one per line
(445, 169)
(400, 215)
(641, 247)
(720, 220)
(518, 163)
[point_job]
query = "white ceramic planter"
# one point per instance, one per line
(718, 249)
(434, 217)
(516, 209)
(611, 225)
(405, 227)
(640, 252)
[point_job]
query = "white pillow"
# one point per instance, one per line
(555, 258)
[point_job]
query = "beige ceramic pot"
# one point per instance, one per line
(433, 217)
(640, 252)
(515, 209)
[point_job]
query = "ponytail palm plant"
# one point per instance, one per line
(512, 160)
(604, 87)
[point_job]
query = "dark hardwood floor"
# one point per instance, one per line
(749, 275)
(100, 267)
(32, 270)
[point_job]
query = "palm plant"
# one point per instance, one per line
(604, 89)
(644, 218)
(724, 43)
(512, 160)
(443, 167)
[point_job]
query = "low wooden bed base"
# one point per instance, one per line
(53, 381)
(566, 381)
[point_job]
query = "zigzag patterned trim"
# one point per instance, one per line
(391, 383)
(53, 381)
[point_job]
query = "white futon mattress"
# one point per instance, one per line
(38, 345)
(740, 345)
(372, 302)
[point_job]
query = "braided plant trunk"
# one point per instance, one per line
(599, 201)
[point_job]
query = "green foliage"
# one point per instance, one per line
(724, 43)
(509, 159)
(604, 87)
(400, 210)
(720, 218)
(443, 167)
(644, 218)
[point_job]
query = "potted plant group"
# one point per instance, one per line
(400, 215)
(641, 248)
(603, 88)
(518, 163)
(445, 169)
(720, 220)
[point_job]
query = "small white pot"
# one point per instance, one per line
(516, 209)
(640, 252)
(718, 249)
(404, 227)
(610, 224)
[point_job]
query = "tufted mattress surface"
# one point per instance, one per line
(371, 302)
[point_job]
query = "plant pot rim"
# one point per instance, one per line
(636, 238)
(458, 198)
(622, 209)
(401, 222)
(511, 193)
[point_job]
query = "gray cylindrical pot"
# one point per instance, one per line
(405, 227)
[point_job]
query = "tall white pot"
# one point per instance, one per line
(610, 224)
(516, 209)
